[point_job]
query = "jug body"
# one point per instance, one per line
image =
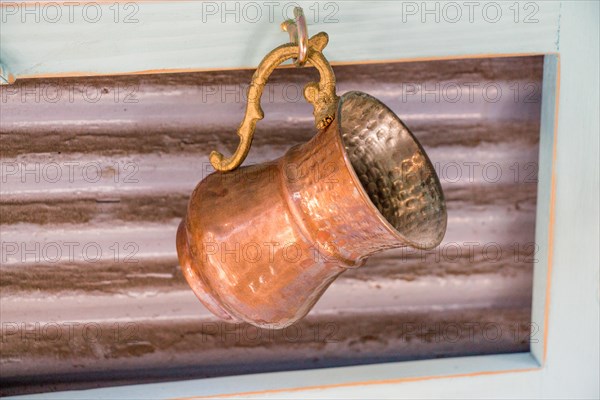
(261, 244)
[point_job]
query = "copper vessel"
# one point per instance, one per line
(261, 243)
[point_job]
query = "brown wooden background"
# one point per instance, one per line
(109, 163)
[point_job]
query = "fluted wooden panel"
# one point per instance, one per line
(96, 173)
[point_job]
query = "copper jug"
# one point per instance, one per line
(261, 243)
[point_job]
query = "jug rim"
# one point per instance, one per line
(436, 239)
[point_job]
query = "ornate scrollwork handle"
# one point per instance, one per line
(321, 95)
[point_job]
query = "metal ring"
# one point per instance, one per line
(302, 38)
(298, 35)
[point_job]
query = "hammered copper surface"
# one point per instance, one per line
(261, 244)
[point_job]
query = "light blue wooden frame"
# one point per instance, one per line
(564, 362)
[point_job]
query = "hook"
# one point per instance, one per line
(298, 35)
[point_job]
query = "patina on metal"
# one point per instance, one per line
(261, 243)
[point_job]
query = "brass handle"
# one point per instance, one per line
(321, 95)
